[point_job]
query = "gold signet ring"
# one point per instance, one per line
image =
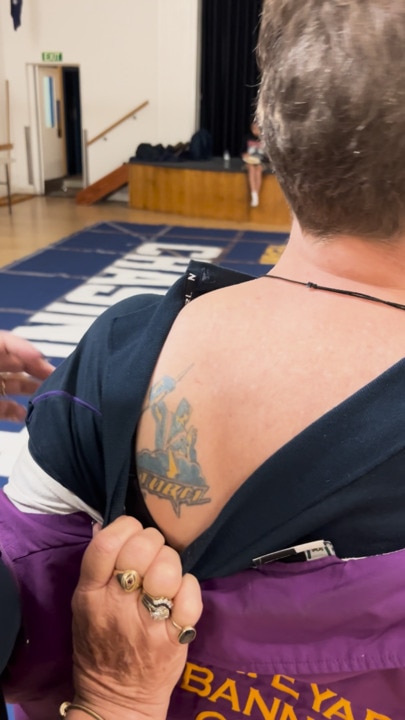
(129, 580)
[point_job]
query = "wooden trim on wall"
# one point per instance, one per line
(118, 122)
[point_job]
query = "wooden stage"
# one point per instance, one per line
(206, 189)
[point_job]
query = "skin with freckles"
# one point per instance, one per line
(119, 650)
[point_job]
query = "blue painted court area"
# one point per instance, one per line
(53, 296)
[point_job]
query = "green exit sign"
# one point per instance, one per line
(52, 57)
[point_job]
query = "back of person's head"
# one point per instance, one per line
(332, 112)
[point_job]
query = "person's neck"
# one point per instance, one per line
(344, 261)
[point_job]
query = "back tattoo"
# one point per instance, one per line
(171, 471)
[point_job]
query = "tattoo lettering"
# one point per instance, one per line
(171, 471)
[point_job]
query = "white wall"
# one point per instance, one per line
(128, 51)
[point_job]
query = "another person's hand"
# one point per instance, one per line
(126, 663)
(251, 159)
(22, 368)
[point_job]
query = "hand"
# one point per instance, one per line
(126, 664)
(251, 159)
(17, 358)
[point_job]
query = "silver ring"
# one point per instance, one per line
(186, 634)
(129, 580)
(159, 608)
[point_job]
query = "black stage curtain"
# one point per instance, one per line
(229, 72)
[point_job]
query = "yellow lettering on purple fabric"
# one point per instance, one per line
(256, 699)
(197, 679)
(277, 683)
(341, 709)
(227, 691)
(319, 697)
(288, 713)
(200, 680)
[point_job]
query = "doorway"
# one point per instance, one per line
(59, 116)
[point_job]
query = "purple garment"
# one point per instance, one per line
(299, 641)
(44, 553)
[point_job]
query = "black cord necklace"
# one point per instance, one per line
(314, 286)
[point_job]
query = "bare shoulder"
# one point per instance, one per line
(181, 444)
(235, 382)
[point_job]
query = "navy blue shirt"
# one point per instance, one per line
(341, 479)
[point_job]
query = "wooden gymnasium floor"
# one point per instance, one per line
(36, 223)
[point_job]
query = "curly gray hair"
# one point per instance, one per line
(332, 112)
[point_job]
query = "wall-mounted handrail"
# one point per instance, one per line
(114, 125)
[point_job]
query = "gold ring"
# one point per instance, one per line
(2, 386)
(159, 608)
(129, 580)
(186, 634)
